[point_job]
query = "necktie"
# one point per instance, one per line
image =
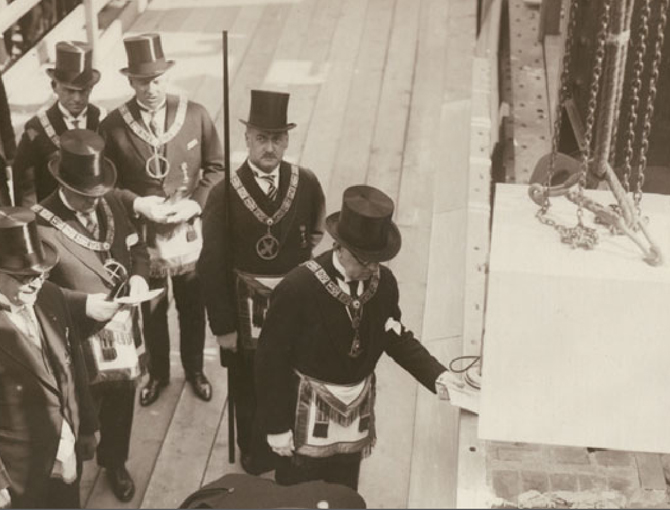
(91, 223)
(76, 123)
(272, 189)
(153, 122)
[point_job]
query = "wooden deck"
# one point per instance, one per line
(380, 90)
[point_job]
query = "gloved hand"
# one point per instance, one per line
(183, 210)
(282, 444)
(441, 383)
(153, 208)
(5, 499)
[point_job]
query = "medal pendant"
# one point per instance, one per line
(355, 350)
(267, 246)
(157, 166)
(116, 271)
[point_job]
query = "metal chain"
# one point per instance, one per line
(563, 94)
(651, 97)
(591, 108)
(636, 85)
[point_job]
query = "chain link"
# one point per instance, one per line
(564, 93)
(651, 97)
(636, 86)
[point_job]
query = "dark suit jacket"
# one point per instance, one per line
(196, 144)
(34, 401)
(30, 171)
(82, 269)
(309, 330)
(299, 232)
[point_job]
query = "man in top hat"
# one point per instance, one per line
(47, 423)
(72, 80)
(271, 223)
(168, 156)
(329, 322)
(88, 223)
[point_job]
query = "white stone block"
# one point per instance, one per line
(577, 343)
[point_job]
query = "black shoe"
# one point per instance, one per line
(122, 484)
(200, 385)
(151, 391)
(252, 466)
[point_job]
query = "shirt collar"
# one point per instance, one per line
(340, 268)
(145, 108)
(69, 116)
(257, 171)
(69, 206)
(5, 303)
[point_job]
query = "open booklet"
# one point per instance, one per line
(140, 298)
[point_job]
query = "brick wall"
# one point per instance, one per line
(540, 476)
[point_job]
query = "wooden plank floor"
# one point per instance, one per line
(370, 88)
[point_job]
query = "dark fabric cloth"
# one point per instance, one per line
(342, 469)
(246, 491)
(196, 147)
(116, 406)
(30, 171)
(56, 494)
(298, 232)
(191, 313)
(308, 330)
(35, 398)
(81, 269)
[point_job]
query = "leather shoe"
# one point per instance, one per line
(251, 466)
(200, 385)
(151, 391)
(122, 484)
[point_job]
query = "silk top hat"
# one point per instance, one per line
(268, 111)
(145, 56)
(364, 225)
(80, 165)
(21, 250)
(74, 65)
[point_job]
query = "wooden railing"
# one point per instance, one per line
(11, 13)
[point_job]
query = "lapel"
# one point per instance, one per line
(284, 180)
(15, 345)
(171, 103)
(143, 149)
(92, 118)
(56, 118)
(87, 257)
(334, 314)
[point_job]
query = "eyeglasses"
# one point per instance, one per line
(27, 279)
(364, 263)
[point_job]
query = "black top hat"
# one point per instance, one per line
(145, 56)
(21, 249)
(74, 65)
(364, 225)
(80, 165)
(268, 111)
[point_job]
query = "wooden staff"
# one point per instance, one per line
(228, 359)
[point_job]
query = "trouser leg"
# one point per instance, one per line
(156, 332)
(117, 407)
(191, 312)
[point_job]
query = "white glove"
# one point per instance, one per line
(153, 208)
(445, 379)
(5, 498)
(99, 309)
(282, 444)
(183, 210)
